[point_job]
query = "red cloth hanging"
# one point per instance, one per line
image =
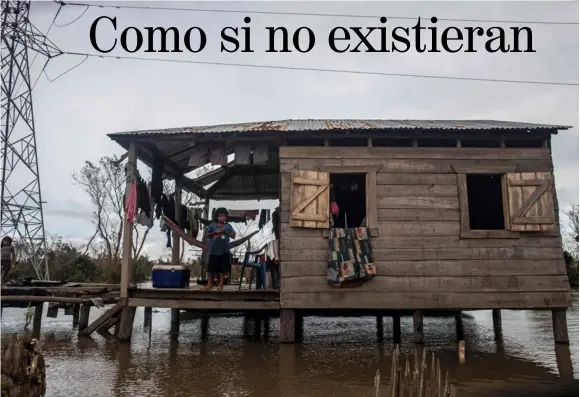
(334, 210)
(131, 205)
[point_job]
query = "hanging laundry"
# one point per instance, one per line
(276, 223)
(237, 214)
(131, 203)
(157, 178)
(218, 155)
(243, 154)
(260, 154)
(168, 245)
(264, 218)
(252, 214)
(144, 220)
(143, 202)
(160, 205)
(199, 156)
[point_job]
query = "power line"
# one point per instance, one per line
(74, 20)
(307, 14)
(36, 54)
(359, 72)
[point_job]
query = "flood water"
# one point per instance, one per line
(339, 356)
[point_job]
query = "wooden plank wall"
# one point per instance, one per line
(421, 261)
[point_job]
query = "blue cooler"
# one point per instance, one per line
(169, 276)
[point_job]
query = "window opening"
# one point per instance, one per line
(485, 201)
(349, 193)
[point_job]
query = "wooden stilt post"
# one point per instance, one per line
(418, 327)
(246, 327)
(287, 326)
(76, 312)
(37, 320)
(176, 243)
(266, 328)
(396, 329)
(126, 327)
(497, 329)
(147, 315)
(564, 361)
(459, 330)
(175, 321)
(380, 329)
(298, 327)
(560, 326)
(127, 257)
(84, 317)
(204, 325)
(205, 253)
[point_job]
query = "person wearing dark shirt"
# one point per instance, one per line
(8, 255)
(219, 233)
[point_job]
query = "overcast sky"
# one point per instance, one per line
(74, 114)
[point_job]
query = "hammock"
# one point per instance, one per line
(195, 242)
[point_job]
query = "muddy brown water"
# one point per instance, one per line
(339, 356)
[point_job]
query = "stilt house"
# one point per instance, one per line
(452, 215)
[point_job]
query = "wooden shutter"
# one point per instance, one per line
(310, 199)
(530, 198)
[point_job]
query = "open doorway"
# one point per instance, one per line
(349, 192)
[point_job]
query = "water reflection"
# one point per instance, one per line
(225, 356)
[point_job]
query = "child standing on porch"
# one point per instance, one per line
(219, 233)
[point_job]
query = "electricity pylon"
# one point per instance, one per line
(21, 213)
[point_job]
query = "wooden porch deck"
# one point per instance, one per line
(195, 298)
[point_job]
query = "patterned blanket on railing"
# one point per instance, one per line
(350, 261)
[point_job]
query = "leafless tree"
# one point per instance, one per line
(105, 184)
(571, 232)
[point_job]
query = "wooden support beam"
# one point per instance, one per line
(287, 326)
(127, 257)
(53, 299)
(396, 329)
(37, 320)
(175, 314)
(380, 329)
(176, 243)
(497, 328)
(204, 327)
(126, 324)
(102, 319)
(246, 327)
(560, 326)
(76, 312)
(298, 327)
(85, 312)
(564, 361)
(108, 324)
(418, 334)
(147, 316)
(459, 330)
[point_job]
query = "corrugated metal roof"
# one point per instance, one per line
(329, 124)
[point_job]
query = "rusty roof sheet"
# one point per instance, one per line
(329, 125)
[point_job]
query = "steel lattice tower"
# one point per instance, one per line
(21, 213)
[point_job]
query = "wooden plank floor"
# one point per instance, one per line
(196, 298)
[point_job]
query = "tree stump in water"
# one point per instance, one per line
(23, 368)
